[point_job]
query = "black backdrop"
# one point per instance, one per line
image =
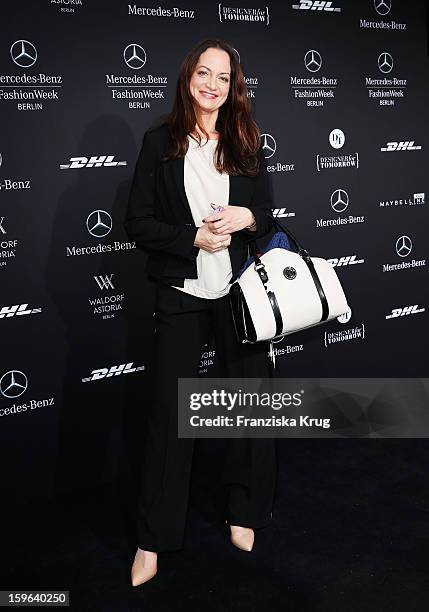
(76, 307)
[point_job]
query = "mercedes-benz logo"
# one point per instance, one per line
(99, 223)
(382, 6)
(1, 159)
(238, 55)
(134, 56)
(13, 383)
(339, 200)
(404, 246)
(23, 53)
(289, 272)
(337, 138)
(385, 62)
(345, 317)
(313, 60)
(268, 145)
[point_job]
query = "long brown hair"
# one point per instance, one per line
(239, 135)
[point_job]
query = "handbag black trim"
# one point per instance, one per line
(243, 323)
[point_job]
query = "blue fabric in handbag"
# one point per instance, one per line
(278, 241)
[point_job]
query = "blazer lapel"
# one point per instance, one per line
(178, 168)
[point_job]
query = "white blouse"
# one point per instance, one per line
(203, 185)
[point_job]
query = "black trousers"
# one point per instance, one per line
(183, 323)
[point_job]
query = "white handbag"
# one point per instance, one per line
(283, 292)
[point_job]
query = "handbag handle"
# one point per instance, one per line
(300, 249)
(262, 273)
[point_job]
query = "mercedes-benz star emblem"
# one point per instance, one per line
(313, 60)
(99, 223)
(13, 383)
(339, 200)
(238, 55)
(289, 272)
(382, 6)
(23, 53)
(404, 246)
(385, 62)
(134, 56)
(268, 145)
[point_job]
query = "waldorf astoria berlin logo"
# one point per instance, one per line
(248, 15)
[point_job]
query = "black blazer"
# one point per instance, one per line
(159, 218)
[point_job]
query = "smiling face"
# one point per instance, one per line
(210, 82)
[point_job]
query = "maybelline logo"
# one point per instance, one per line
(107, 305)
(250, 15)
(269, 147)
(416, 200)
(385, 89)
(339, 203)
(117, 370)
(346, 260)
(67, 6)
(141, 90)
(92, 162)
(383, 8)
(17, 310)
(7, 247)
(337, 140)
(403, 248)
(12, 385)
(315, 88)
(22, 88)
(404, 311)
(353, 333)
(175, 13)
(316, 5)
(403, 145)
(99, 223)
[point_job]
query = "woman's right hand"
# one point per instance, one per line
(212, 243)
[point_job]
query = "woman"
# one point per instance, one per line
(206, 154)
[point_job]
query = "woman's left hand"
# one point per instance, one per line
(231, 219)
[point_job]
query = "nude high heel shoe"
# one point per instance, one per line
(242, 537)
(143, 568)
